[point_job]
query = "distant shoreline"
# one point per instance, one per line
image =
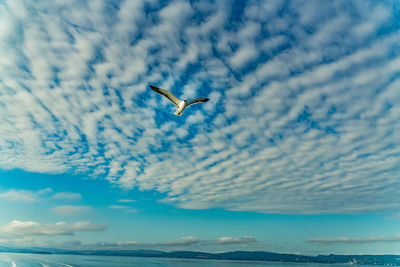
(253, 256)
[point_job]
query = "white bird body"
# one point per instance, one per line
(181, 107)
(180, 104)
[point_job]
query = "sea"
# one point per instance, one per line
(57, 260)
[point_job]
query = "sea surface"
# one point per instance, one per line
(54, 260)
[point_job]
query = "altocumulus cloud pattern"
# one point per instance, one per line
(304, 110)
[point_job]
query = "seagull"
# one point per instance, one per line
(180, 104)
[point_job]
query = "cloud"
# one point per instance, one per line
(170, 245)
(70, 210)
(116, 207)
(67, 196)
(23, 195)
(71, 244)
(29, 228)
(181, 242)
(19, 195)
(395, 216)
(126, 200)
(126, 209)
(231, 240)
(302, 117)
(184, 241)
(45, 191)
(23, 240)
(243, 55)
(353, 240)
(118, 244)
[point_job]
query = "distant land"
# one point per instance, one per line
(388, 260)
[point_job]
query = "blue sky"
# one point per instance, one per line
(297, 150)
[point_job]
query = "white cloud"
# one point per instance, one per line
(184, 241)
(23, 240)
(70, 210)
(131, 210)
(188, 241)
(243, 55)
(353, 240)
(302, 116)
(23, 195)
(191, 242)
(116, 207)
(232, 240)
(118, 244)
(176, 12)
(126, 200)
(67, 196)
(126, 209)
(45, 191)
(29, 228)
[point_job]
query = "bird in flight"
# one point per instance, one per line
(180, 104)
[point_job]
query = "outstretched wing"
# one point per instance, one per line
(167, 94)
(197, 100)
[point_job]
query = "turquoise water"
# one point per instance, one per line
(34, 260)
